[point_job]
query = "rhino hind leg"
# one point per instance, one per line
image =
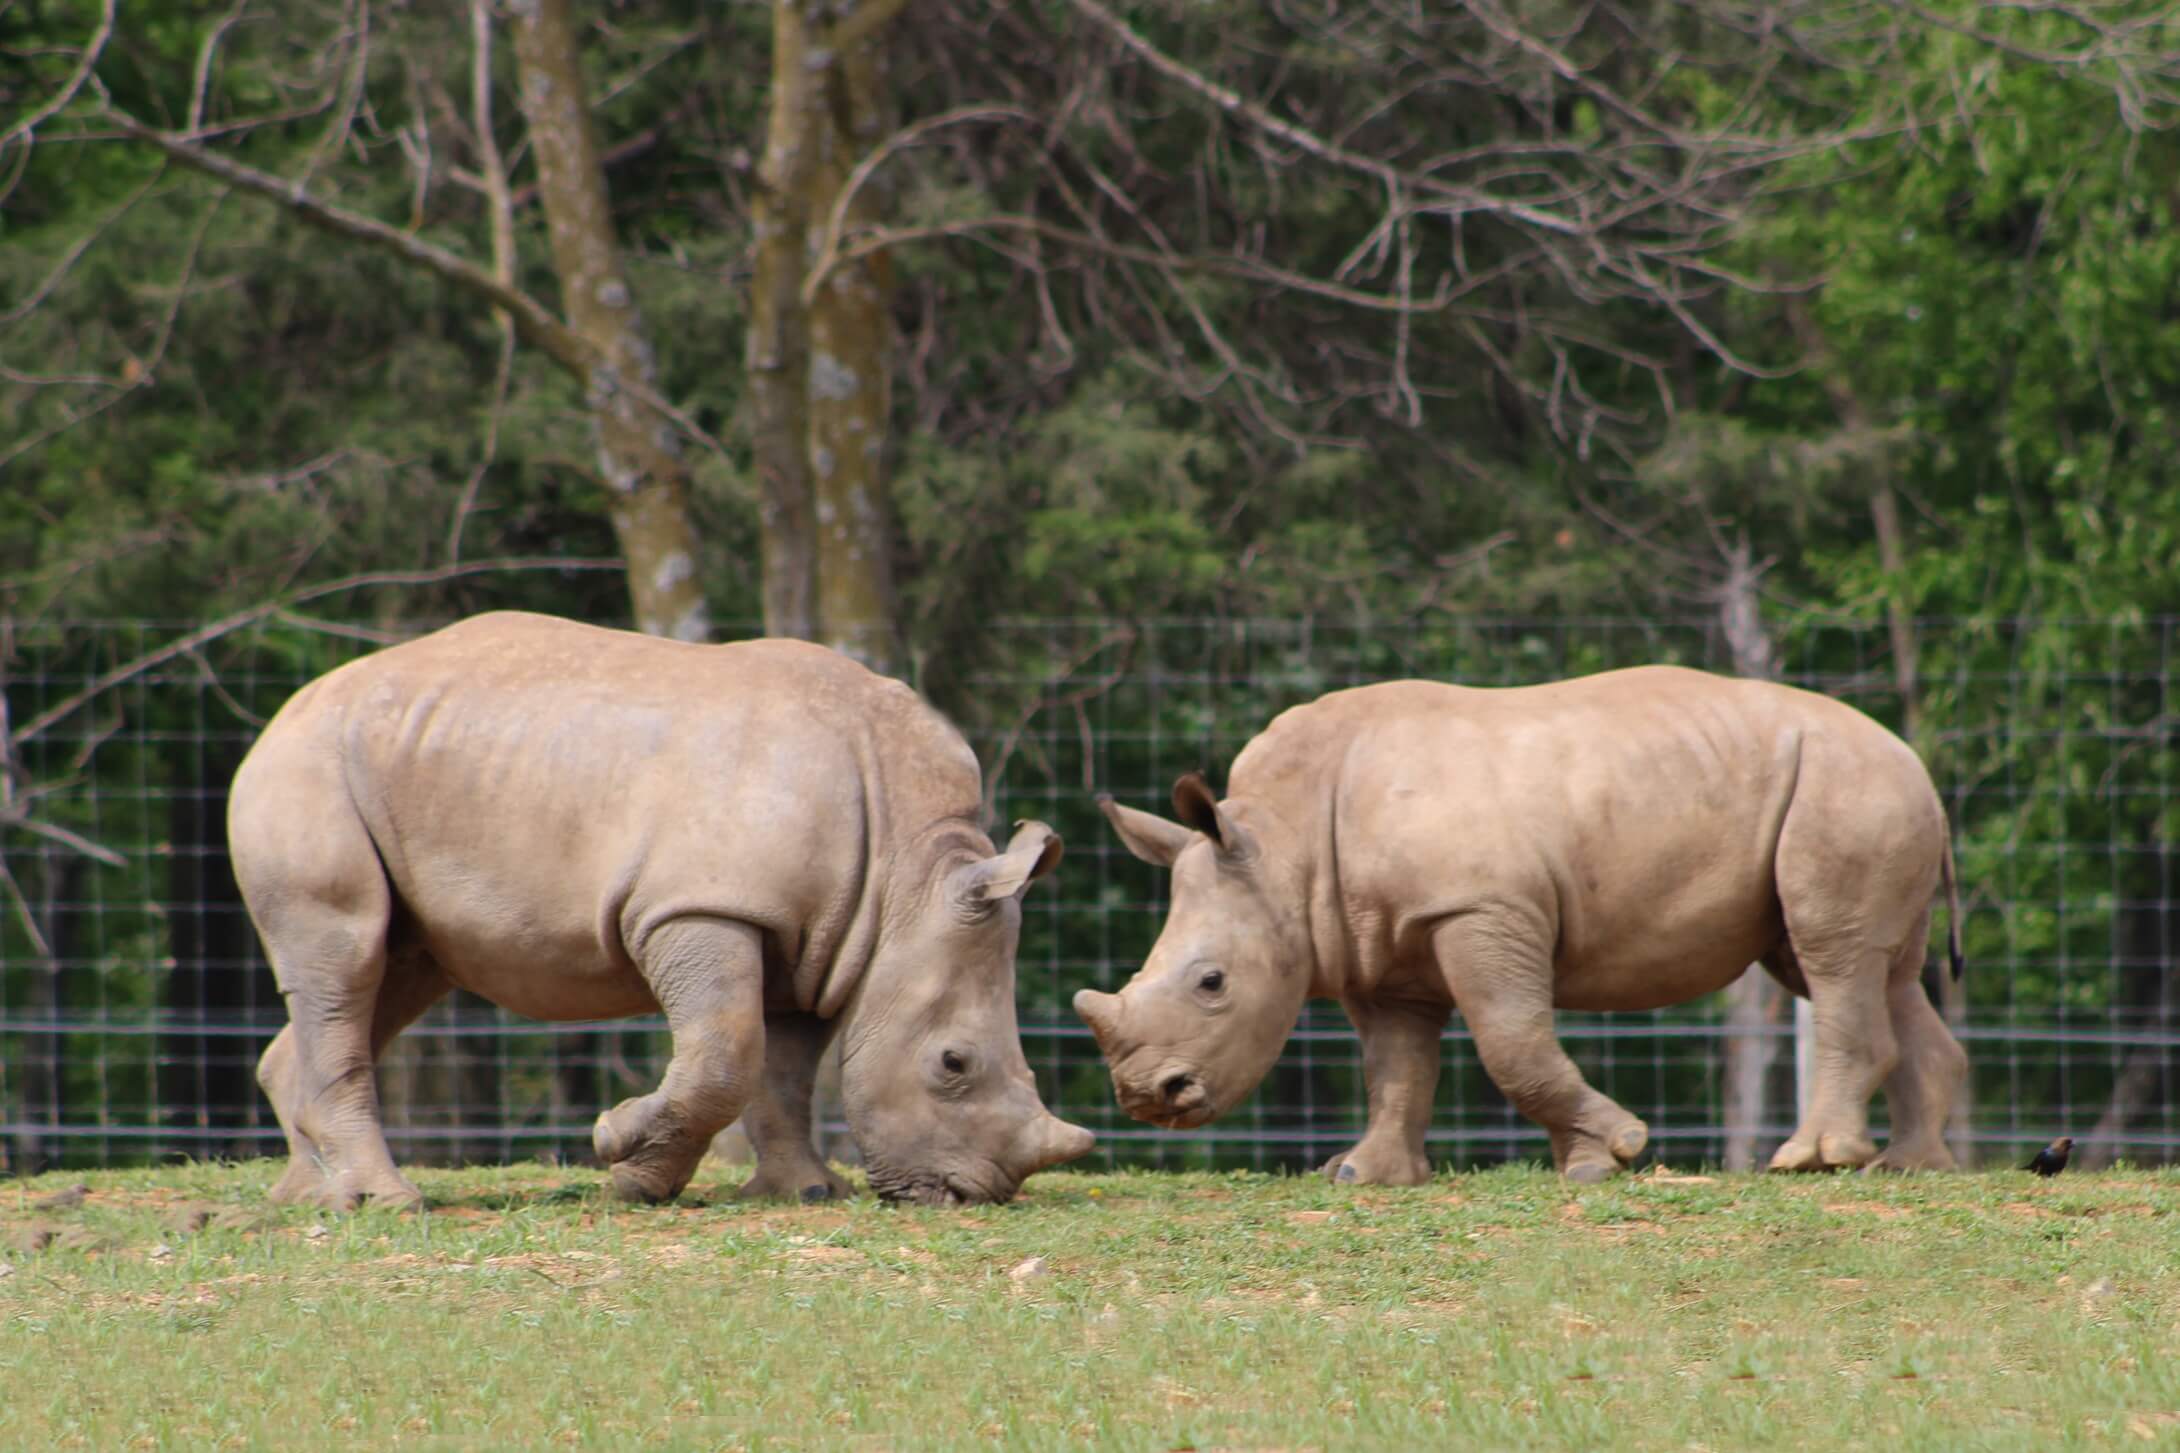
(319, 897)
(412, 983)
(778, 1117)
(323, 1084)
(1502, 981)
(1855, 1052)
(1401, 1052)
(305, 1175)
(1855, 866)
(1921, 1089)
(708, 975)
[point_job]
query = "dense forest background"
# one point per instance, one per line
(1818, 324)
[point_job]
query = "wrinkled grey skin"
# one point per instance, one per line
(764, 840)
(1621, 841)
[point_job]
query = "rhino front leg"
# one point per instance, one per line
(778, 1119)
(1400, 1045)
(708, 975)
(1501, 979)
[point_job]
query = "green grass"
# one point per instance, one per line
(1496, 1310)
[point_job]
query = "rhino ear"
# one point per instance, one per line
(1032, 852)
(1147, 835)
(1198, 806)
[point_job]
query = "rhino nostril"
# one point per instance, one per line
(1176, 1086)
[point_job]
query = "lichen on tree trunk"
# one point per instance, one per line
(820, 368)
(639, 456)
(777, 352)
(850, 376)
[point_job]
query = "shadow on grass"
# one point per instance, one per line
(575, 1190)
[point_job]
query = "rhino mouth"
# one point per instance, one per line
(941, 1190)
(1174, 1098)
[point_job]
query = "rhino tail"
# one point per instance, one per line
(1952, 909)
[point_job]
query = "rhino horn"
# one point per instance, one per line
(1102, 1013)
(1051, 1141)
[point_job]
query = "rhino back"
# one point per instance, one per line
(542, 793)
(1631, 817)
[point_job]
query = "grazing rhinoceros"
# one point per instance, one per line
(764, 840)
(1622, 841)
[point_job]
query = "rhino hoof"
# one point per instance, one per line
(1346, 1173)
(816, 1193)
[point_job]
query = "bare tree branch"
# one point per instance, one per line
(67, 838)
(136, 372)
(75, 253)
(228, 625)
(836, 223)
(536, 323)
(25, 130)
(201, 82)
(1394, 179)
(878, 239)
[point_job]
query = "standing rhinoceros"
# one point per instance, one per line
(1622, 841)
(764, 840)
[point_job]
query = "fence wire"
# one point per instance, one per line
(134, 998)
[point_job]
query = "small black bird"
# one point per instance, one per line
(2052, 1158)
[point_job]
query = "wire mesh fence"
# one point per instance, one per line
(134, 999)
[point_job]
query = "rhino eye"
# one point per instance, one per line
(953, 1063)
(1213, 981)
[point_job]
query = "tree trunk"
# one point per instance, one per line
(777, 353)
(1753, 1000)
(851, 367)
(820, 365)
(638, 454)
(2149, 932)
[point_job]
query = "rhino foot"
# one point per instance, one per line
(809, 1184)
(1829, 1150)
(345, 1193)
(302, 1181)
(1914, 1155)
(1369, 1165)
(649, 1158)
(1587, 1157)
